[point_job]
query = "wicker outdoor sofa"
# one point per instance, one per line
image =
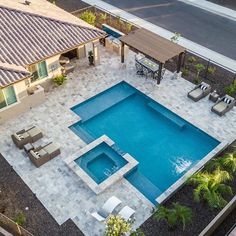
(25, 136)
(43, 154)
(200, 91)
(225, 104)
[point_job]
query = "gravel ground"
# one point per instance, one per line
(15, 196)
(226, 225)
(201, 212)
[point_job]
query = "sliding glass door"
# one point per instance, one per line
(7, 96)
(39, 71)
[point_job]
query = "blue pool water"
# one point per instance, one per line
(165, 145)
(101, 162)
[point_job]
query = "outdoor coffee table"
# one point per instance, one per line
(28, 147)
(214, 96)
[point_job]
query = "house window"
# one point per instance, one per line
(7, 96)
(39, 71)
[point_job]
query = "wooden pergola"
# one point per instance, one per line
(153, 46)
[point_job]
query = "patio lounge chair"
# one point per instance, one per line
(41, 155)
(26, 136)
(108, 207)
(200, 91)
(126, 213)
(225, 104)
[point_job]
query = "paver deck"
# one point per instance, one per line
(61, 191)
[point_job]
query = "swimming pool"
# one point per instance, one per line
(165, 145)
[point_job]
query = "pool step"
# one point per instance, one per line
(175, 119)
(82, 133)
(103, 101)
(144, 185)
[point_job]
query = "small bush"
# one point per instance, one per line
(175, 37)
(20, 219)
(211, 70)
(177, 215)
(88, 17)
(128, 27)
(60, 79)
(192, 59)
(102, 17)
(185, 72)
(231, 89)
(138, 232)
(196, 80)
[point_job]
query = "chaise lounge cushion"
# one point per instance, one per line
(196, 93)
(51, 148)
(220, 107)
(34, 131)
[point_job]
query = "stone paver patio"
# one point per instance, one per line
(61, 191)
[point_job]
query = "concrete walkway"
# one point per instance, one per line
(212, 7)
(217, 57)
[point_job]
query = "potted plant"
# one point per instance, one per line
(91, 58)
(117, 226)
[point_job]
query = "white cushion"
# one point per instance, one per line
(221, 106)
(196, 93)
(34, 131)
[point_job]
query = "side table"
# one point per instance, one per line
(28, 147)
(214, 97)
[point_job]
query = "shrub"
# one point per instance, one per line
(102, 17)
(117, 226)
(199, 67)
(211, 188)
(192, 59)
(231, 89)
(89, 17)
(185, 72)
(177, 215)
(226, 162)
(175, 37)
(128, 27)
(60, 79)
(196, 80)
(211, 70)
(20, 219)
(138, 232)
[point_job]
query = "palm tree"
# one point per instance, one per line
(227, 162)
(178, 215)
(211, 187)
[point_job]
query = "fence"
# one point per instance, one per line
(13, 227)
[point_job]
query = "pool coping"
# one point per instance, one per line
(181, 181)
(118, 175)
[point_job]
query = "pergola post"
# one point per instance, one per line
(159, 73)
(179, 62)
(122, 52)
